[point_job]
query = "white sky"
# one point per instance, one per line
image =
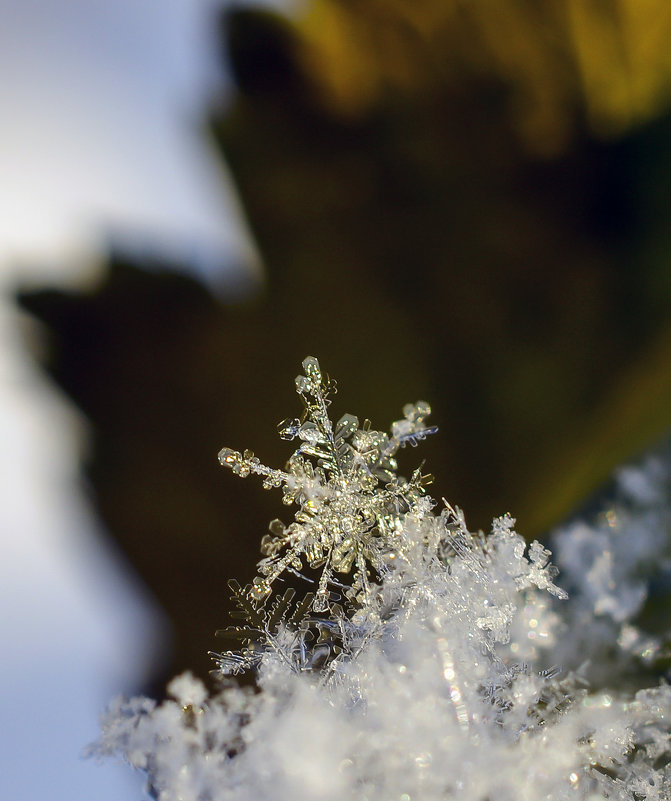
(100, 102)
(101, 105)
(74, 628)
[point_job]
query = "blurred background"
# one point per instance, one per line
(468, 203)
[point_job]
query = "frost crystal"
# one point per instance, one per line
(423, 664)
(350, 502)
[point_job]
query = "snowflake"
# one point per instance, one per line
(343, 479)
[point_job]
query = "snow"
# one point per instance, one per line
(438, 679)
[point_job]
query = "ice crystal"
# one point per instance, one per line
(349, 502)
(435, 677)
(616, 561)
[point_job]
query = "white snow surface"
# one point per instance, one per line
(444, 686)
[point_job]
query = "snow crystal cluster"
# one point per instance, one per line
(425, 662)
